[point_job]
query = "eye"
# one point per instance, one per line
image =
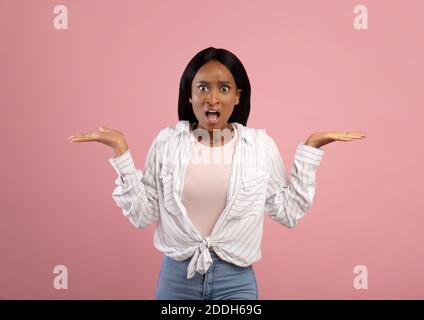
(201, 86)
(228, 88)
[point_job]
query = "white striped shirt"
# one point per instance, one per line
(258, 184)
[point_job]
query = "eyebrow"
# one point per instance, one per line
(207, 82)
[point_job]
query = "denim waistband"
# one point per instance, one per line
(214, 256)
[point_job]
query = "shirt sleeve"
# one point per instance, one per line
(136, 192)
(287, 200)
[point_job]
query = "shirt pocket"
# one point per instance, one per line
(170, 204)
(250, 199)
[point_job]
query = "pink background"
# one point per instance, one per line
(119, 65)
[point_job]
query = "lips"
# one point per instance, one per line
(211, 112)
(212, 116)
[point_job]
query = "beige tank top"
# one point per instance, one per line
(206, 182)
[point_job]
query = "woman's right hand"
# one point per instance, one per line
(112, 138)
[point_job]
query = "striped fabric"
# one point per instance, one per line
(258, 184)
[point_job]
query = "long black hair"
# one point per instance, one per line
(241, 112)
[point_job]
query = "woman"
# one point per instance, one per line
(209, 212)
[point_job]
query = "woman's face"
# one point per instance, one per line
(213, 89)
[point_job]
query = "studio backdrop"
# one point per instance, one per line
(70, 66)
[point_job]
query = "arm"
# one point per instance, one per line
(288, 200)
(136, 192)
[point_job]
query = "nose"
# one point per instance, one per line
(213, 97)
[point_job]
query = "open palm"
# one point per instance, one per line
(319, 139)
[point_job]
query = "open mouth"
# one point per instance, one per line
(212, 115)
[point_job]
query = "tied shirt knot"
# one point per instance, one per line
(201, 260)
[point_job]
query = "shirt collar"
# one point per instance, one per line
(183, 126)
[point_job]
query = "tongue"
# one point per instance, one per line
(212, 116)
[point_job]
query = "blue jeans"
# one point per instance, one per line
(222, 281)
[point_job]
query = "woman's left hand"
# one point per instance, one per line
(319, 139)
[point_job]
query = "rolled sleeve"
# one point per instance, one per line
(309, 154)
(289, 198)
(124, 164)
(135, 192)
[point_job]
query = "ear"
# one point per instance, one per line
(238, 97)
(189, 99)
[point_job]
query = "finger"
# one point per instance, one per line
(349, 138)
(356, 136)
(353, 134)
(84, 137)
(345, 137)
(71, 138)
(342, 135)
(104, 129)
(360, 133)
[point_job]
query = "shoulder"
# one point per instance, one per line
(161, 141)
(169, 135)
(165, 134)
(257, 136)
(169, 132)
